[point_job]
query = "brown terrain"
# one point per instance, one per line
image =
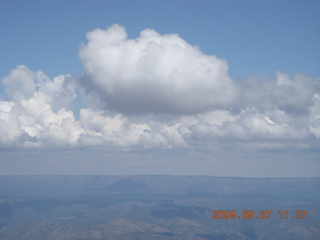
(155, 207)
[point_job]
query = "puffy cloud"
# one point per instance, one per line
(183, 97)
(249, 125)
(59, 93)
(36, 114)
(40, 118)
(23, 84)
(153, 73)
(9, 126)
(119, 131)
(293, 95)
(20, 84)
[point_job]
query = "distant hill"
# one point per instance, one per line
(156, 207)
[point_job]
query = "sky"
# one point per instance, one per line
(219, 88)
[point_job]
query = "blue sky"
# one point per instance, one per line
(267, 65)
(254, 36)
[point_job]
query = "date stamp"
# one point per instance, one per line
(263, 214)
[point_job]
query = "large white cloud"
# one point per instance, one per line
(39, 116)
(36, 114)
(154, 73)
(184, 99)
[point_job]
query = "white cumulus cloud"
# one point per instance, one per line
(36, 114)
(177, 97)
(153, 73)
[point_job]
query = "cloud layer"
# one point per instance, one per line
(156, 91)
(154, 73)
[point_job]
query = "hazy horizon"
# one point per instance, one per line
(227, 88)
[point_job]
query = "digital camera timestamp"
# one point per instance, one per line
(263, 214)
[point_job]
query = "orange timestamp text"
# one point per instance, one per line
(263, 214)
